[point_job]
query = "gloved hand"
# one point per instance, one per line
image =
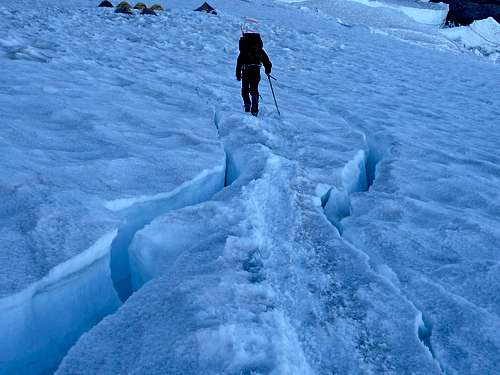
(268, 72)
(238, 78)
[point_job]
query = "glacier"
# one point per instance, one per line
(149, 226)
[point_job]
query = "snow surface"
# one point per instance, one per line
(357, 233)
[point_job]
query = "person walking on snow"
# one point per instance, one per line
(252, 56)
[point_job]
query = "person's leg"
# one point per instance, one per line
(254, 91)
(245, 93)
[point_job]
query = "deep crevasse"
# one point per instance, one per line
(43, 321)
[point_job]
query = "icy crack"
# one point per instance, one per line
(424, 333)
(358, 175)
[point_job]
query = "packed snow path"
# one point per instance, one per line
(359, 233)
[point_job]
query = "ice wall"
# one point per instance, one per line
(39, 324)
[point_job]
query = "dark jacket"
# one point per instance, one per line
(245, 63)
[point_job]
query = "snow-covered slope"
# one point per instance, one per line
(357, 233)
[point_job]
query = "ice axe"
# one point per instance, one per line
(272, 90)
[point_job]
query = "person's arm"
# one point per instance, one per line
(266, 62)
(239, 66)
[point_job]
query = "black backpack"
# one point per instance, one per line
(251, 48)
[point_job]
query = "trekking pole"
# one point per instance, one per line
(272, 90)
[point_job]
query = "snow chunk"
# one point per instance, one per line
(482, 37)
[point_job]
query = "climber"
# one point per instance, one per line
(252, 56)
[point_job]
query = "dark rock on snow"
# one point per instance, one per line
(464, 12)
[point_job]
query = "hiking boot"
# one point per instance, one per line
(255, 105)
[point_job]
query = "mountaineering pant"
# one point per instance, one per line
(250, 87)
